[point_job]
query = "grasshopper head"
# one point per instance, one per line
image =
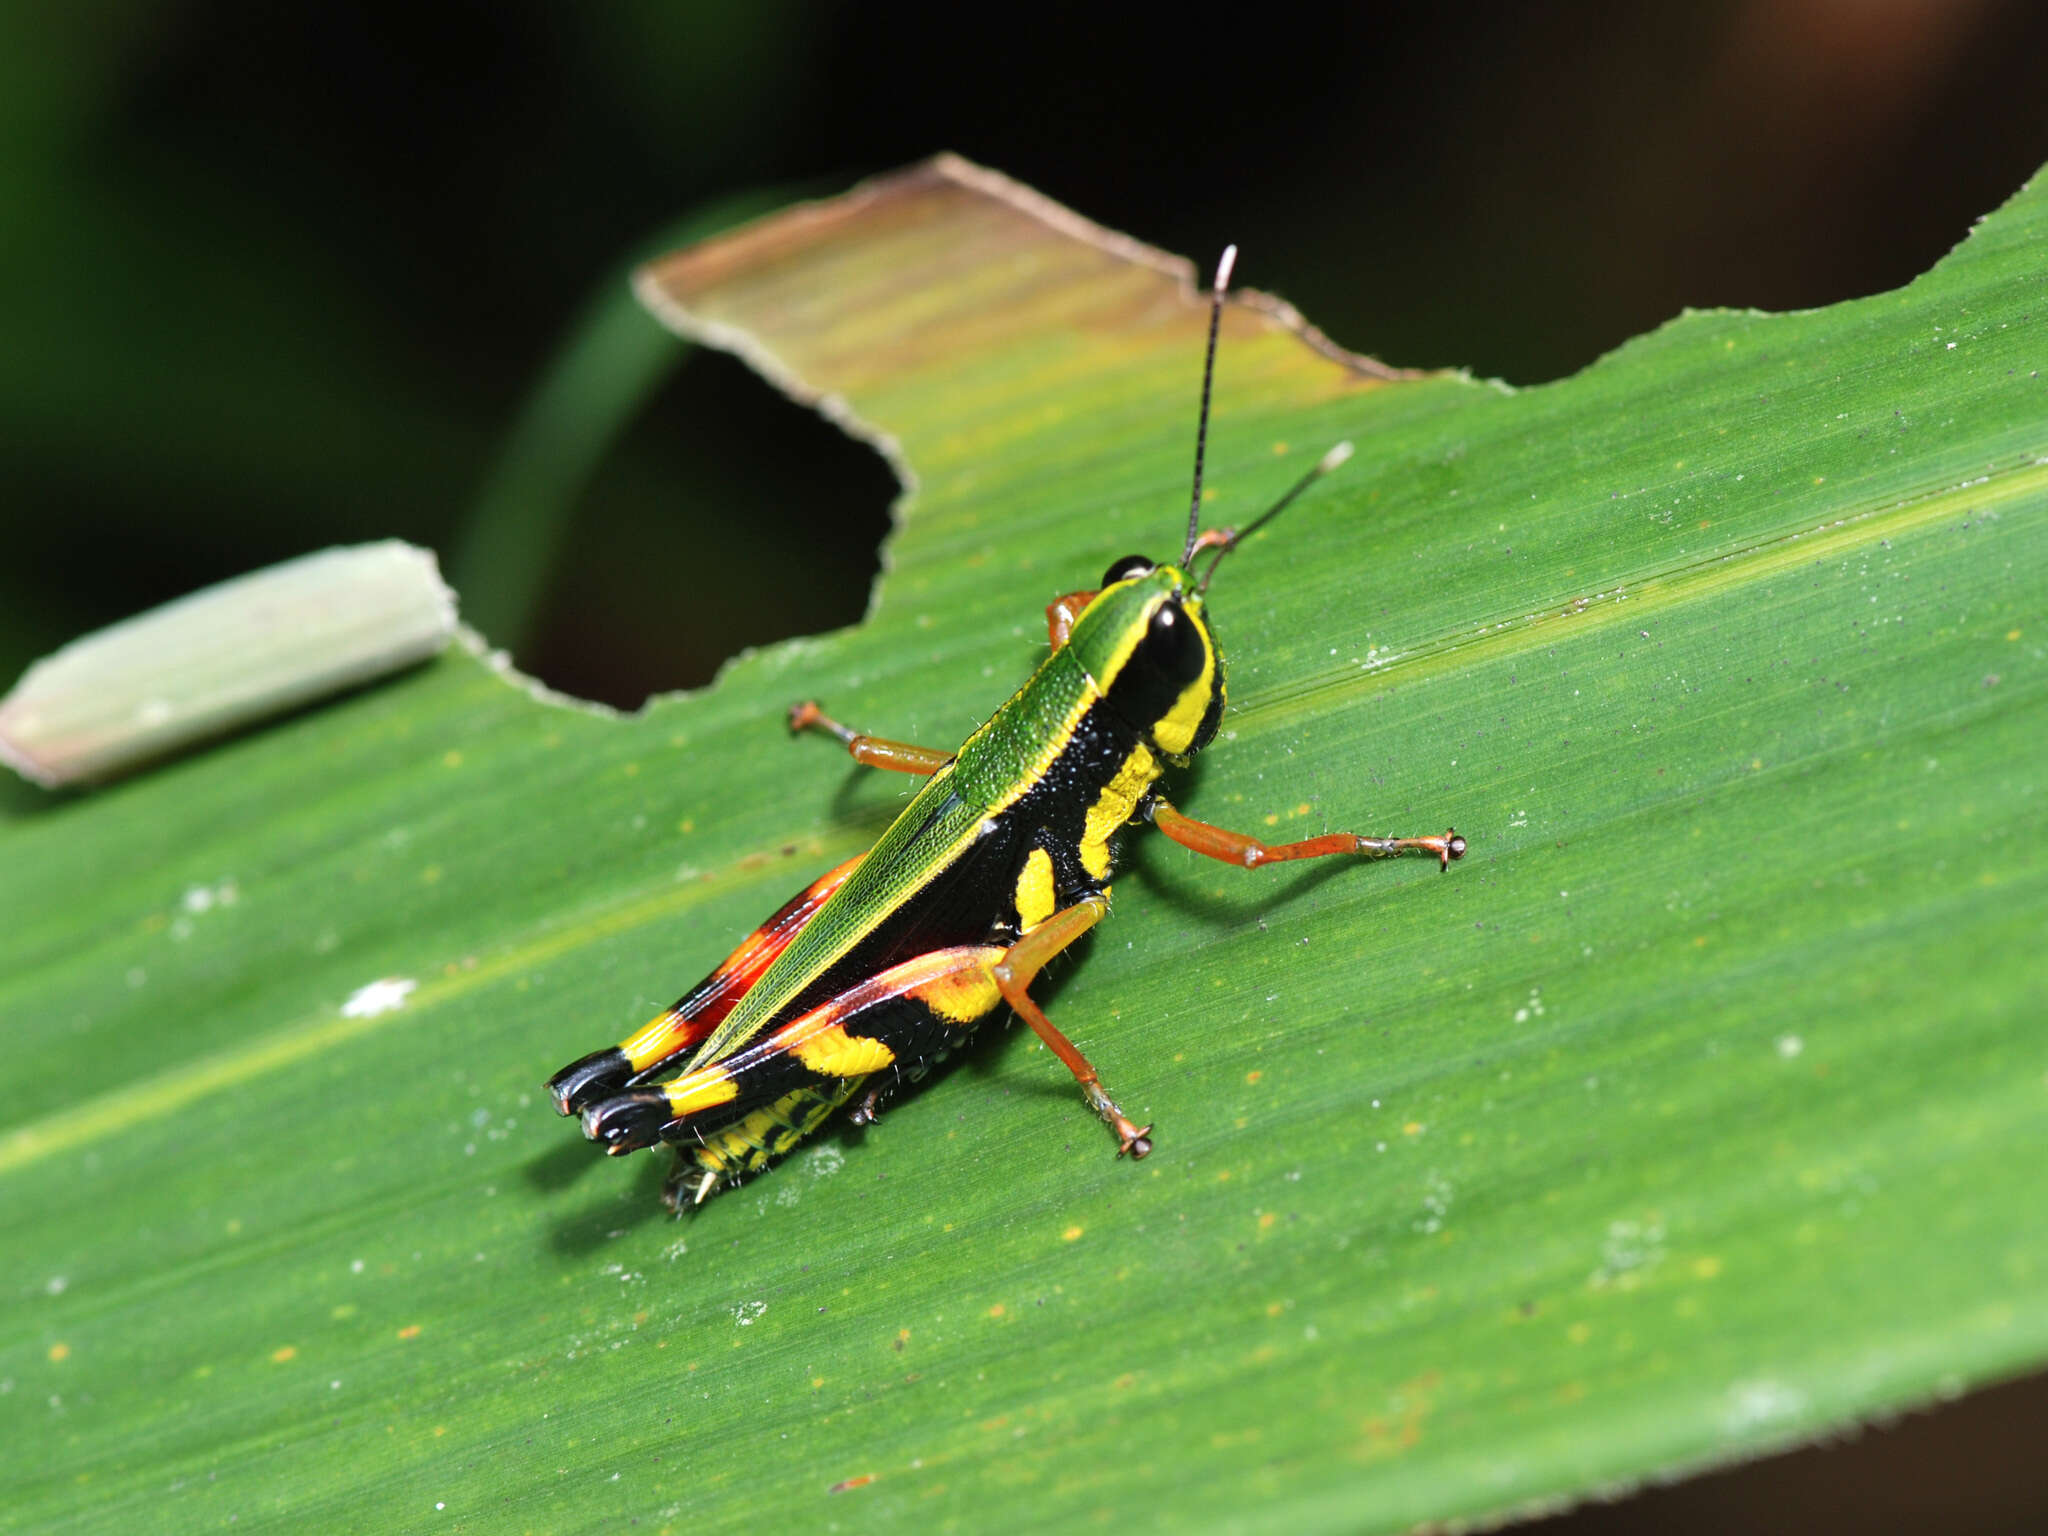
(1143, 637)
(1145, 642)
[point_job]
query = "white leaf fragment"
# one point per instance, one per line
(222, 658)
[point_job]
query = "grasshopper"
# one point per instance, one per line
(878, 969)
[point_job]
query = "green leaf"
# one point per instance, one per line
(1697, 1112)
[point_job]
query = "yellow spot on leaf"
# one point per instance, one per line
(1253, 1077)
(451, 759)
(1412, 1128)
(283, 1353)
(409, 1331)
(60, 1351)
(1578, 1333)
(1071, 1234)
(1707, 1268)
(996, 1310)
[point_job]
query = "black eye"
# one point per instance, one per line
(1126, 568)
(1172, 646)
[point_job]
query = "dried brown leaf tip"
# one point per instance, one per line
(889, 305)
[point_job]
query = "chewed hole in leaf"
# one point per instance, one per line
(729, 516)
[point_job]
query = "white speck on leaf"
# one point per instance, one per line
(1436, 1203)
(1755, 1403)
(380, 996)
(824, 1161)
(1630, 1246)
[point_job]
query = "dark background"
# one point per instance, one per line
(279, 277)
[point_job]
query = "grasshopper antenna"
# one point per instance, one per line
(1229, 539)
(1223, 266)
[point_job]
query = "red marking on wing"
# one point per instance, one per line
(700, 1010)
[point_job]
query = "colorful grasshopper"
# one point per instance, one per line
(878, 969)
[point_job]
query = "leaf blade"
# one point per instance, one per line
(1449, 1215)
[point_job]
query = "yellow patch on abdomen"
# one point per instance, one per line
(1113, 807)
(1035, 899)
(834, 1053)
(771, 1130)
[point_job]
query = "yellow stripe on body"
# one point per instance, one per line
(964, 996)
(653, 1040)
(832, 1052)
(1035, 901)
(699, 1091)
(1176, 733)
(1113, 807)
